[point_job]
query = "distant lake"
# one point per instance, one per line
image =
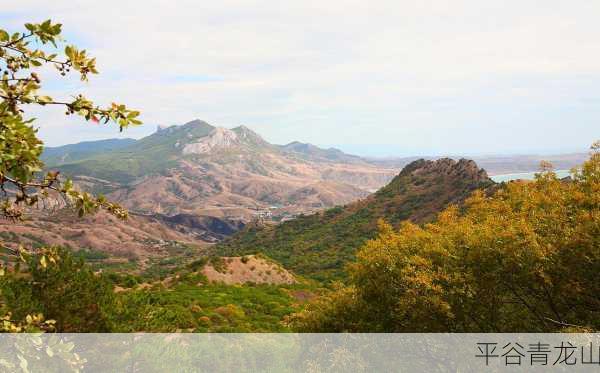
(526, 176)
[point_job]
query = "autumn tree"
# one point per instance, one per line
(524, 259)
(23, 58)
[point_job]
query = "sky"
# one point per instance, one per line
(378, 78)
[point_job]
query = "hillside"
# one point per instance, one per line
(318, 245)
(247, 269)
(139, 238)
(199, 169)
(76, 152)
(312, 152)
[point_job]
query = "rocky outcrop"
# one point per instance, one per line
(431, 185)
(463, 168)
(219, 138)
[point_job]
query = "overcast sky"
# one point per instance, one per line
(371, 77)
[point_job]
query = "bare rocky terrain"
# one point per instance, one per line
(203, 170)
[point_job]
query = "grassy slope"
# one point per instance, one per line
(149, 155)
(54, 156)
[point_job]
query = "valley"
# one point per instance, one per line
(195, 185)
(228, 232)
(441, 204)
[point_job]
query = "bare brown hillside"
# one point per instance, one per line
(247, 269)
(139, 238)
(199, 169)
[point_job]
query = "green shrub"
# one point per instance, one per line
(198, 264)
(218, 264)
(68, 292)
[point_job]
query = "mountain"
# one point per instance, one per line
(319, 245)
(70, 153)
(199, 169)
(312, 152)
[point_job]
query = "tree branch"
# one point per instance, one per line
(562, 323)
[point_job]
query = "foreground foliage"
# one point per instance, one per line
(60, 286)
(23, 56)
(206, 308)
(524, 259)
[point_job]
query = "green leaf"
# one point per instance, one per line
(69, 51)
(44, 99)
(4, 35)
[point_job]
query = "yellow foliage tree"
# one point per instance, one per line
(524, 259)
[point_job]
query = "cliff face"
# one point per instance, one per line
(319, 245)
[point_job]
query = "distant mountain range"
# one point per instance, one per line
(194, 184)
(150, 154)
(200, 169)
(198, 183)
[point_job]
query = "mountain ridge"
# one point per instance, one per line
(197, 168)
(319, 245)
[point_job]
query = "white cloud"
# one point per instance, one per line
(430, 75)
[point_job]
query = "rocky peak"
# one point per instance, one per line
(464, 168)
(195, 126)
(250, 137)
(442, 176)
(196, 123)
(218, 138)
(164, 129)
